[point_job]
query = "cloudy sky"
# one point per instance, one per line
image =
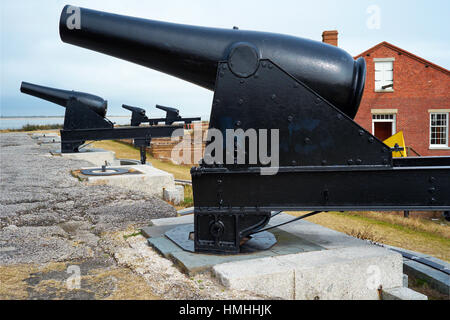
(32, 51)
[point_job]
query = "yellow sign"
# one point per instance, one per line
(399, 140)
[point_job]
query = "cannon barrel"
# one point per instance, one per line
(192, 53)
(62, 97)
(134, 109)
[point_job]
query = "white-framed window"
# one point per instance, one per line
(438, 129)
(384, 74)
(384, 125)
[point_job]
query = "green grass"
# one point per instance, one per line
(126, 236)
(417, 236)
(402, 228)
(35, 127)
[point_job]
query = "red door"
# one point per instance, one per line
(383, 130)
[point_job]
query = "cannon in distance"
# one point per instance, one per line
(172, 115)
(307, 90)
(62, 97)
(85, 120)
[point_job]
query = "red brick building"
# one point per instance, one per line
(406, 93)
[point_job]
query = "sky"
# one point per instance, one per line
(31, 49)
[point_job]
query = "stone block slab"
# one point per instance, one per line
(143, 178)
(402, 293)
(173, 221)
(265, 276)
(164, 246)
(338, 274)
(174, 194)
(353, 273)
(435, 279)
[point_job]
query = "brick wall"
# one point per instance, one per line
(418, 87)
(161, 148)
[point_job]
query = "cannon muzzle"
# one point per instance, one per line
(62, 97)
(192, 53)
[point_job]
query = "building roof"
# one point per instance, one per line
(409, 54)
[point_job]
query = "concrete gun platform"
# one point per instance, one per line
(308, 262)
(143, 178)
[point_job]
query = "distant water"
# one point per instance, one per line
(17, 123)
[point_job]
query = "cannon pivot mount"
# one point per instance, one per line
(104, 171)
(308, 91)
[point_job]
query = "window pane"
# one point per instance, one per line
(378, 76)
(388, 75)
(439, 129)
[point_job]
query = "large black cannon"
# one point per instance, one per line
(308, 92)
(85, 120)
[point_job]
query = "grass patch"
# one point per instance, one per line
(126, 151)
(410, 237)
(441, 227)
(35, 127)
(422, 286)
(188, 197)
(127, 236)
(366, 233)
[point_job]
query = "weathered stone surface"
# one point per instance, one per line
(174, 194)
(339, 274)
(353, 273)
(47, 215)
(405, 280)
(265, 276)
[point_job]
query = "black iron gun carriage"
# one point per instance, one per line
(85, 120)
(307, 91)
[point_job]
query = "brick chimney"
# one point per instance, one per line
(330, 37)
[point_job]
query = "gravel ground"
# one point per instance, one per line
(44, 210)
(50, 221)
